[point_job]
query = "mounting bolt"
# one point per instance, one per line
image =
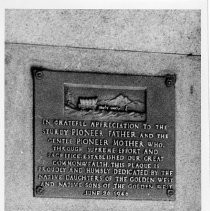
(170, 192)
(170, 80)
(39, 75)
(39, 190)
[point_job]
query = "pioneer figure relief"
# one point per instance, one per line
(112, 104)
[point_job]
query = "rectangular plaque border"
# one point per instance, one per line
(35, 69)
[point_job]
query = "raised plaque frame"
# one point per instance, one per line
(150, 102)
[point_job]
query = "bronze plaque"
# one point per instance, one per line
(104, 136)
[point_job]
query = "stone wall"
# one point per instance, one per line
(151, 42)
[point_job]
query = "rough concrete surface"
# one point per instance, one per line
(19, 91)
(167, 31)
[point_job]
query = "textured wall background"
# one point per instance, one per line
(167, 31)
(174, 32)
